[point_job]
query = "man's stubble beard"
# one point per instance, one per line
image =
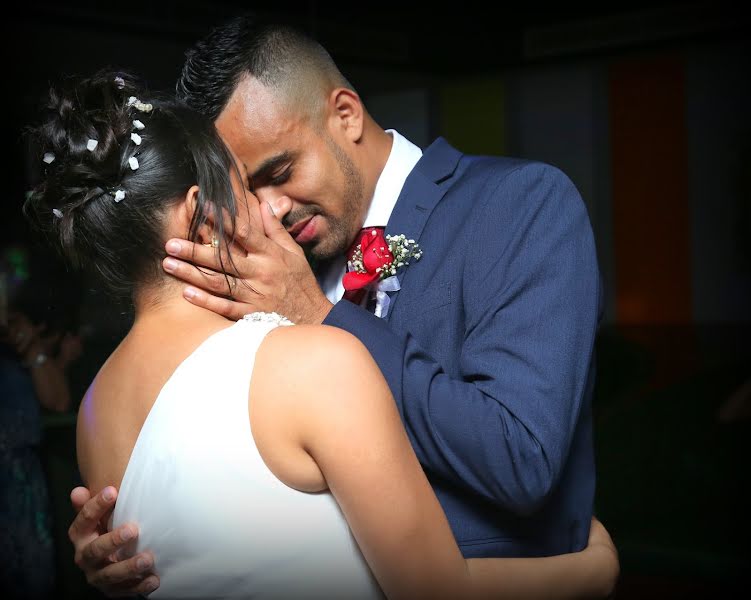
(341, 230)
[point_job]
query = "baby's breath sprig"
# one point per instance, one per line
(355, 263)
(401, 248)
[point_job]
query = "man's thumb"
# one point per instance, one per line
(281, 205)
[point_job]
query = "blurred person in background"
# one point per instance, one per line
(38, 342)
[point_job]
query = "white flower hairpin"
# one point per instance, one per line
(138, 125)
(91, 143)
(142, 106)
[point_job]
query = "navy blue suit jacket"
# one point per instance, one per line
(488, 348)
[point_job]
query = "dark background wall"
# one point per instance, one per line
(645, 105)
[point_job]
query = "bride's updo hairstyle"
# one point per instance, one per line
(113, 159)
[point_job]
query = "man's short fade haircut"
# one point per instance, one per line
(280, 56)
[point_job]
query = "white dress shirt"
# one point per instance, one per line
(402, 159)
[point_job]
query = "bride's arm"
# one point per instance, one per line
(336, 406)
(591, 573)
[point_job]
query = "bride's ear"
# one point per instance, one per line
(186, 210)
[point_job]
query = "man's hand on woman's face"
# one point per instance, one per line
(96, 550)
(266, 270)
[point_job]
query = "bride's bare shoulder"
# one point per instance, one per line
(325, 358)
(304, 378)
(313, 345)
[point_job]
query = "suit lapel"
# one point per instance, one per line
(422, 191)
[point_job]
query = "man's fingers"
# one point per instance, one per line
(141, 585)
(124, 576)
(241, 229)
(148, 585)
(221, 306)
(87, 519)
(241, 226)
(275, 231)
(205, 256)
(78, 497)
(100, 549)
(281, 206)
(211, 281)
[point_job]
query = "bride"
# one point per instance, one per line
(258, 458)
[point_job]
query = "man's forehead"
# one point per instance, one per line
(264, 156)
(256, 145)
(258, 108)
(259, 129)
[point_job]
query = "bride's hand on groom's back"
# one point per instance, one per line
(601, 545)
(96, 550)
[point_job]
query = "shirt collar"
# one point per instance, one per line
(402, 159)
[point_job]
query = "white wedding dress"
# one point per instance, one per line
(218, 521)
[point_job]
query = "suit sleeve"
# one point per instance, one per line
(531, 296)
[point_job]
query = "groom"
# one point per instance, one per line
(487, 339)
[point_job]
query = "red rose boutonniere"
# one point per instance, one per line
(375, 261)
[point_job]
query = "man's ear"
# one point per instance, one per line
(346, 113)
(185, 211)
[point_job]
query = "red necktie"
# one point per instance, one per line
(356, 296)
